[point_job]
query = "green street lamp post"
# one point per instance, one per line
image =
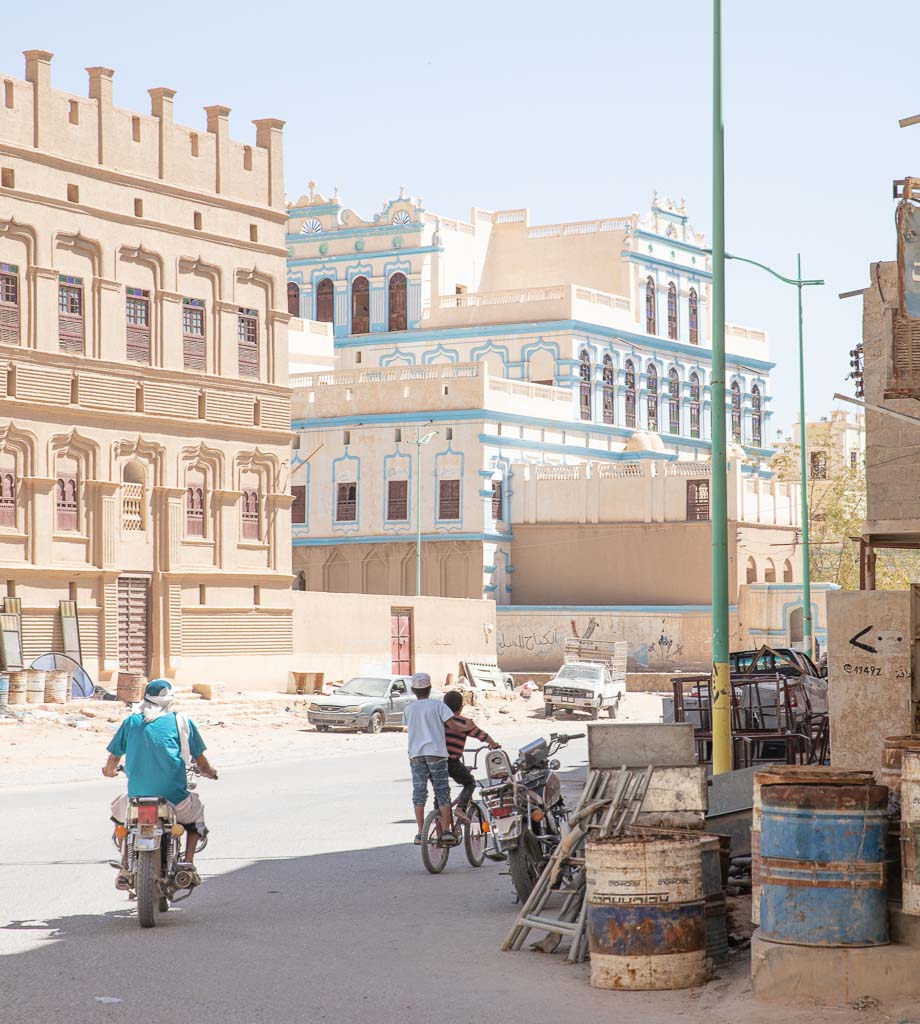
(419, 441)
(721, 687)
(799, 283)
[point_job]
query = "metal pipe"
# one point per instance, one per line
(803, 463)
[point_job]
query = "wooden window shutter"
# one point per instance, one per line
(299, 508)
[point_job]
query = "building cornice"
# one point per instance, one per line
(138, 181)
(99, 213)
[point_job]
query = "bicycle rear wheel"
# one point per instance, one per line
(434, 855)
(474, 839)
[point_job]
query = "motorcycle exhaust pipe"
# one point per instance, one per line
(183, 879)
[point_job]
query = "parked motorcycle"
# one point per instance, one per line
(150, 841)
(526, 807)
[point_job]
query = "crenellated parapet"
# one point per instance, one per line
(91, 130)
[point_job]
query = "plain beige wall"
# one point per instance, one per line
(632, 563)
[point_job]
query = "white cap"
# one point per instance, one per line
(420, 681)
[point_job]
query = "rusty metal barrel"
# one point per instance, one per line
(130, 687)
(57, 684)
(35, 687)
(890, 775)
(791, 773)
(17, 688)
(645, 912)
(822, 865)
(910, 831)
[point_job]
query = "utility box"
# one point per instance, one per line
(869, 659)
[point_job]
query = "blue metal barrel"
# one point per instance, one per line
(822, 865)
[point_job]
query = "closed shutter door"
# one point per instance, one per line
(401, 642)
(9, 323)
(299, 508)
(132, 623)
(138, 344)
(70, 332)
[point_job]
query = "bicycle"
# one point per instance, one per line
(475, 833)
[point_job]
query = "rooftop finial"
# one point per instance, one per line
(654, 197)
(311, 185)
(335, 194)
(402, 191)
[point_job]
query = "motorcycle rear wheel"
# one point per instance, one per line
(525, 865)
(434, 856)
(147, 896)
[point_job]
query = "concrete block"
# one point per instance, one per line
(831, 977)
(637, 744)
(677, 789)
(904, 928)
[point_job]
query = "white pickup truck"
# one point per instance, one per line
(593, 679)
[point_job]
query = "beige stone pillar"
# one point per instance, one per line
(102, 498)
(268, 136)
(100, 90)
(108, 654)
(279, 511)
(219, 126)
(161, 107)
(108, 339)
(226, 346)
(168, 319)
(171, 505)
(228, 527)
(38, 72)
(43, 318)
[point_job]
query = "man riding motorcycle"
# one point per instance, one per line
(158, 745)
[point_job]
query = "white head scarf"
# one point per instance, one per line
(158, 699)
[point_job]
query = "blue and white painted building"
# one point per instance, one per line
(519, 347)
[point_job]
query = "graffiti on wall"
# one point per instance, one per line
(543, 642)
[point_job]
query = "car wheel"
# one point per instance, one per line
(375, 724)
(322, 728)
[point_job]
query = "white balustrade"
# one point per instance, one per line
(510, 296)
(617, 471)
(603, 298)
(584, 227)
(690, 469)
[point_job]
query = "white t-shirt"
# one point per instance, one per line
(425, 721)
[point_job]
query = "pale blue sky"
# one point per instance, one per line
(575, 110)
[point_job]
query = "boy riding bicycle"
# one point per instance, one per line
(456, 731)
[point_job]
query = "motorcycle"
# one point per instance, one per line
(150, 869)
(526, 807)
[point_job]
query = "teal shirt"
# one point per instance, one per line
(153, 757)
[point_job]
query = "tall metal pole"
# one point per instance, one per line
(808, 631)
(721, 684)
(418, 512)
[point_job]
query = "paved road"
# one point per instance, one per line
(315, 908)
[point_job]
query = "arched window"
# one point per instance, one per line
(751, 571)
(756, 423)
(66, 495)
(360, 306)
(194, 503)
(629, 380)
(651, 320)
(250, 508)
(133, 479)
(673, 402)
(541, 367)
(769, 573)
(293, 293)
(7, 490)
(672, 311)
(325, 301)
(398, 319)
(787, 571)
(695, 405)
(693, 319)
(736, 412)
(608, 389)
(652, 403)
(796, 627)
(584, 371)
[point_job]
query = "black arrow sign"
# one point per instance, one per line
(854, 640)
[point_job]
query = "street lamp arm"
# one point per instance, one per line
(786, 280)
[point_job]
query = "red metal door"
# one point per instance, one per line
(401, 641)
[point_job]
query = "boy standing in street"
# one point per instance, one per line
(426, 720)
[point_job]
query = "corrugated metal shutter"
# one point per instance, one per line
(133, 602)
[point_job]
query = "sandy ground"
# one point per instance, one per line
(66, 743)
